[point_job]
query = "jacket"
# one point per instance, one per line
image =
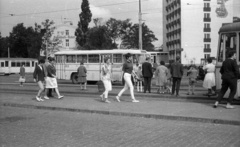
(147, 70)
(229, 69)
(38, 73)
(176, 70)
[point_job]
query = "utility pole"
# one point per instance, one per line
(140, 26)
(8, 52)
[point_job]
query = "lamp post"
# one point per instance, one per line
(140, 26)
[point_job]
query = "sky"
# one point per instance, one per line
(37, 11)
(30, 11)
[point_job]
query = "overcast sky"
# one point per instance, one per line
(31, 11)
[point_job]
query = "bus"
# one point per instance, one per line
(229, 38)
(67, 63)
(12, 65)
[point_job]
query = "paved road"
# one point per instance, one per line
(23, 127)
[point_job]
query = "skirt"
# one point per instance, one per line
(209, 81)
(22, 79)
(82, 79)
(51, 82)
(107, 85)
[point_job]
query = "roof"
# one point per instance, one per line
(117, 51)
(25, 59)
(232, 27)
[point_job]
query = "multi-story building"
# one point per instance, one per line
(190, 27)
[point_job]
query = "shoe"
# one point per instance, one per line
(107, 101)
(101, 96)
(45, 97)
(229, 107)
(118, 98)
(135, 101)
(38, 99)
(41, 99)
(60, 97)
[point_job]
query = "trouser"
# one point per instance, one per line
(176, 83)
(108, 87)
(147, 84)
(128, 84)
(228, 83)
(49, 93)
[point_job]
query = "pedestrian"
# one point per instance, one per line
(51, 79)
(106, 79)
(127, 77)
(161, 75)
(139, 79)
(230, 73)
(209, 79)
(39, 77)
(192, 76)
(147, 74)
(82, 76)
(176, 70)
(45, 65)
(22, 75)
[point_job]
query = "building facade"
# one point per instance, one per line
(190, 27)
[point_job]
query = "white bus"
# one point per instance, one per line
(67, 63)
(12, 65)
(229, 39)
(156, 57)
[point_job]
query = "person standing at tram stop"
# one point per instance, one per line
(82, 76)
(230, 73)
(161, 75)
(39, 77)
(51, 79)
(209, 80)
(127, 75)
(147, 74)
(22, 75)
(176, 70)
(192, 77)
(106, 79)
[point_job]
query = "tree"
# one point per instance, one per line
(3, 46)
(98, 38)
(85, 18)
(131, 39)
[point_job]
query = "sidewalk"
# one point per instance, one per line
(160, 109)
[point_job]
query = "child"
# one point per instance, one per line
(139, 78)
(192, 74)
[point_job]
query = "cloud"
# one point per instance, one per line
(99, 12)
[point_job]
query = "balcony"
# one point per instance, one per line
(207, 9)
(206, 29)
(207, 40)
(207, 19)
(207, 50)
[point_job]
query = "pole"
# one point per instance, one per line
(8, 52)
(140, 26)
(46, 50)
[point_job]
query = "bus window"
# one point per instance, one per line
(117, 58)
(27, 64)
(6, 63)
(81, 58)
(93, 58)
(2, 64)
(13, 64)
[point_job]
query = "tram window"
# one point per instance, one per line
(23, 63)
(239, 48)
(18, 64)
(32, 63)
(71, 59)
(81, 58)
(2, 64)
(117, 58)
(27, 64)
(13, 64)
(6, 63)
(93, 58)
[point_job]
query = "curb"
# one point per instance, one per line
(154, 116)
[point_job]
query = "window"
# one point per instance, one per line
(206, 15)
(206, 45)
(206, 56)
(6, 63)
(2, 64)
(18, 64)
(206, 35)
(71, 59)
(81, 58)
(117, 58)
(67, 32)
(206, 5)
(13, 64)
(206, 25)
(33, 64)
(67, 42)
(27, 64)
(93, 58)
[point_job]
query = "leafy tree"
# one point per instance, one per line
(85, 18)
(131, 39)
(3, 46)
(98, 38)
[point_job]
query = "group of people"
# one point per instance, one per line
(45, 76)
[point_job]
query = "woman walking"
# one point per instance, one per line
(161, 75)
(82, 74)
(38, 76)
(51, 81)
(127, 74)
(106, 79)
(22, 75)
(209, 80)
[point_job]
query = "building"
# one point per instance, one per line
(190, 27)
(65, 34)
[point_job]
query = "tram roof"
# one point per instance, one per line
(18, 59)
(233, 27)
(116, 51)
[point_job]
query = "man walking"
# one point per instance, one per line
(176, 70)
(230, 72)
(147, 74)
